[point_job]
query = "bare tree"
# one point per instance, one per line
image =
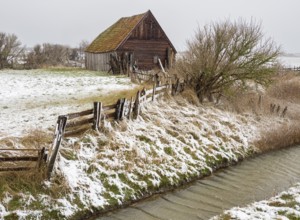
(10, 49)
(225, 54)
(48, 55)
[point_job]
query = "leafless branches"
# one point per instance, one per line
(226, 53)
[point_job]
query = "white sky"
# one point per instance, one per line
(70, 21)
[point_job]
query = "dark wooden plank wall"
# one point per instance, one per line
(147, 40)
(145, 50)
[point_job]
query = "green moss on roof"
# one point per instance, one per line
(112, 37)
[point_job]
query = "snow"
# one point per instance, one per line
(33, 99)
(283, 206)
(171, 141)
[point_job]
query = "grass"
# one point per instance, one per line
(283, 136)
(145, 139)
(108, 99)
(169, 151)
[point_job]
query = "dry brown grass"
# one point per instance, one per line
(191, 97)
(283, 92)
(26, 181)
(36, 139)
(283, 136)
(286, 87)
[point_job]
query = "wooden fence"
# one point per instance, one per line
(76, 123)
(79, 122)
(12, 162)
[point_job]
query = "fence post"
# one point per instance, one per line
(59, 132)
(175, 87)
(41, 157)
(130, 108)
(136, 107)
(153, 92)
(119, 109)
(260, 102)
(284, 111)
(97, 115)
(124, 108)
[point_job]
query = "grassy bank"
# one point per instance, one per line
(173, 142)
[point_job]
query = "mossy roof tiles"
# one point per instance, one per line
(112, 37)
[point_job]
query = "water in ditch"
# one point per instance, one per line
(252, 180)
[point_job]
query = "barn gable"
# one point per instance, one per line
(140, 35)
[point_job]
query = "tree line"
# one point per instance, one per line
(14, 55)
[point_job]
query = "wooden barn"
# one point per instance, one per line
(136, 42)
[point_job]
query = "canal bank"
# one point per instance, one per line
(172, 143)
(252, 180)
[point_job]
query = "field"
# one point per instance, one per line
(33, 99)
(174, 140)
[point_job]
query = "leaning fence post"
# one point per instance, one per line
(153, 92)
(136, 107)
(284, 111)
(97, 115)
(59, 132)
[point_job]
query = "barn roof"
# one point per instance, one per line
(115, 35)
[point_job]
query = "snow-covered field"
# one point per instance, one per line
(284, 206)
(32, 99)
(172, 141)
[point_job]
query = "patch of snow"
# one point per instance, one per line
(33, 99)
(282, 206)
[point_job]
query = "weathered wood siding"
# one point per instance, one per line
(98, 61)
(146, 50)
(148, 40)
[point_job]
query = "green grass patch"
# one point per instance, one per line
(168, 150)
(287, 197)
(144, 139)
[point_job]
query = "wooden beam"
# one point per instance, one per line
(161, 66)
(85, 121)
(22, 158)
(79, 114)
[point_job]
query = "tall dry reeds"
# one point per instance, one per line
(280, 99)
(279, 137)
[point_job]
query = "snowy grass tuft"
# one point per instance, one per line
(283, 206)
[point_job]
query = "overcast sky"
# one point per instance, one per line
(71, 21)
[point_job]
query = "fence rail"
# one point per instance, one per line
(40, 159)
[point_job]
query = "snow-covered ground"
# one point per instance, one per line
(172, 141)
(284, 206)
(32, 99)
